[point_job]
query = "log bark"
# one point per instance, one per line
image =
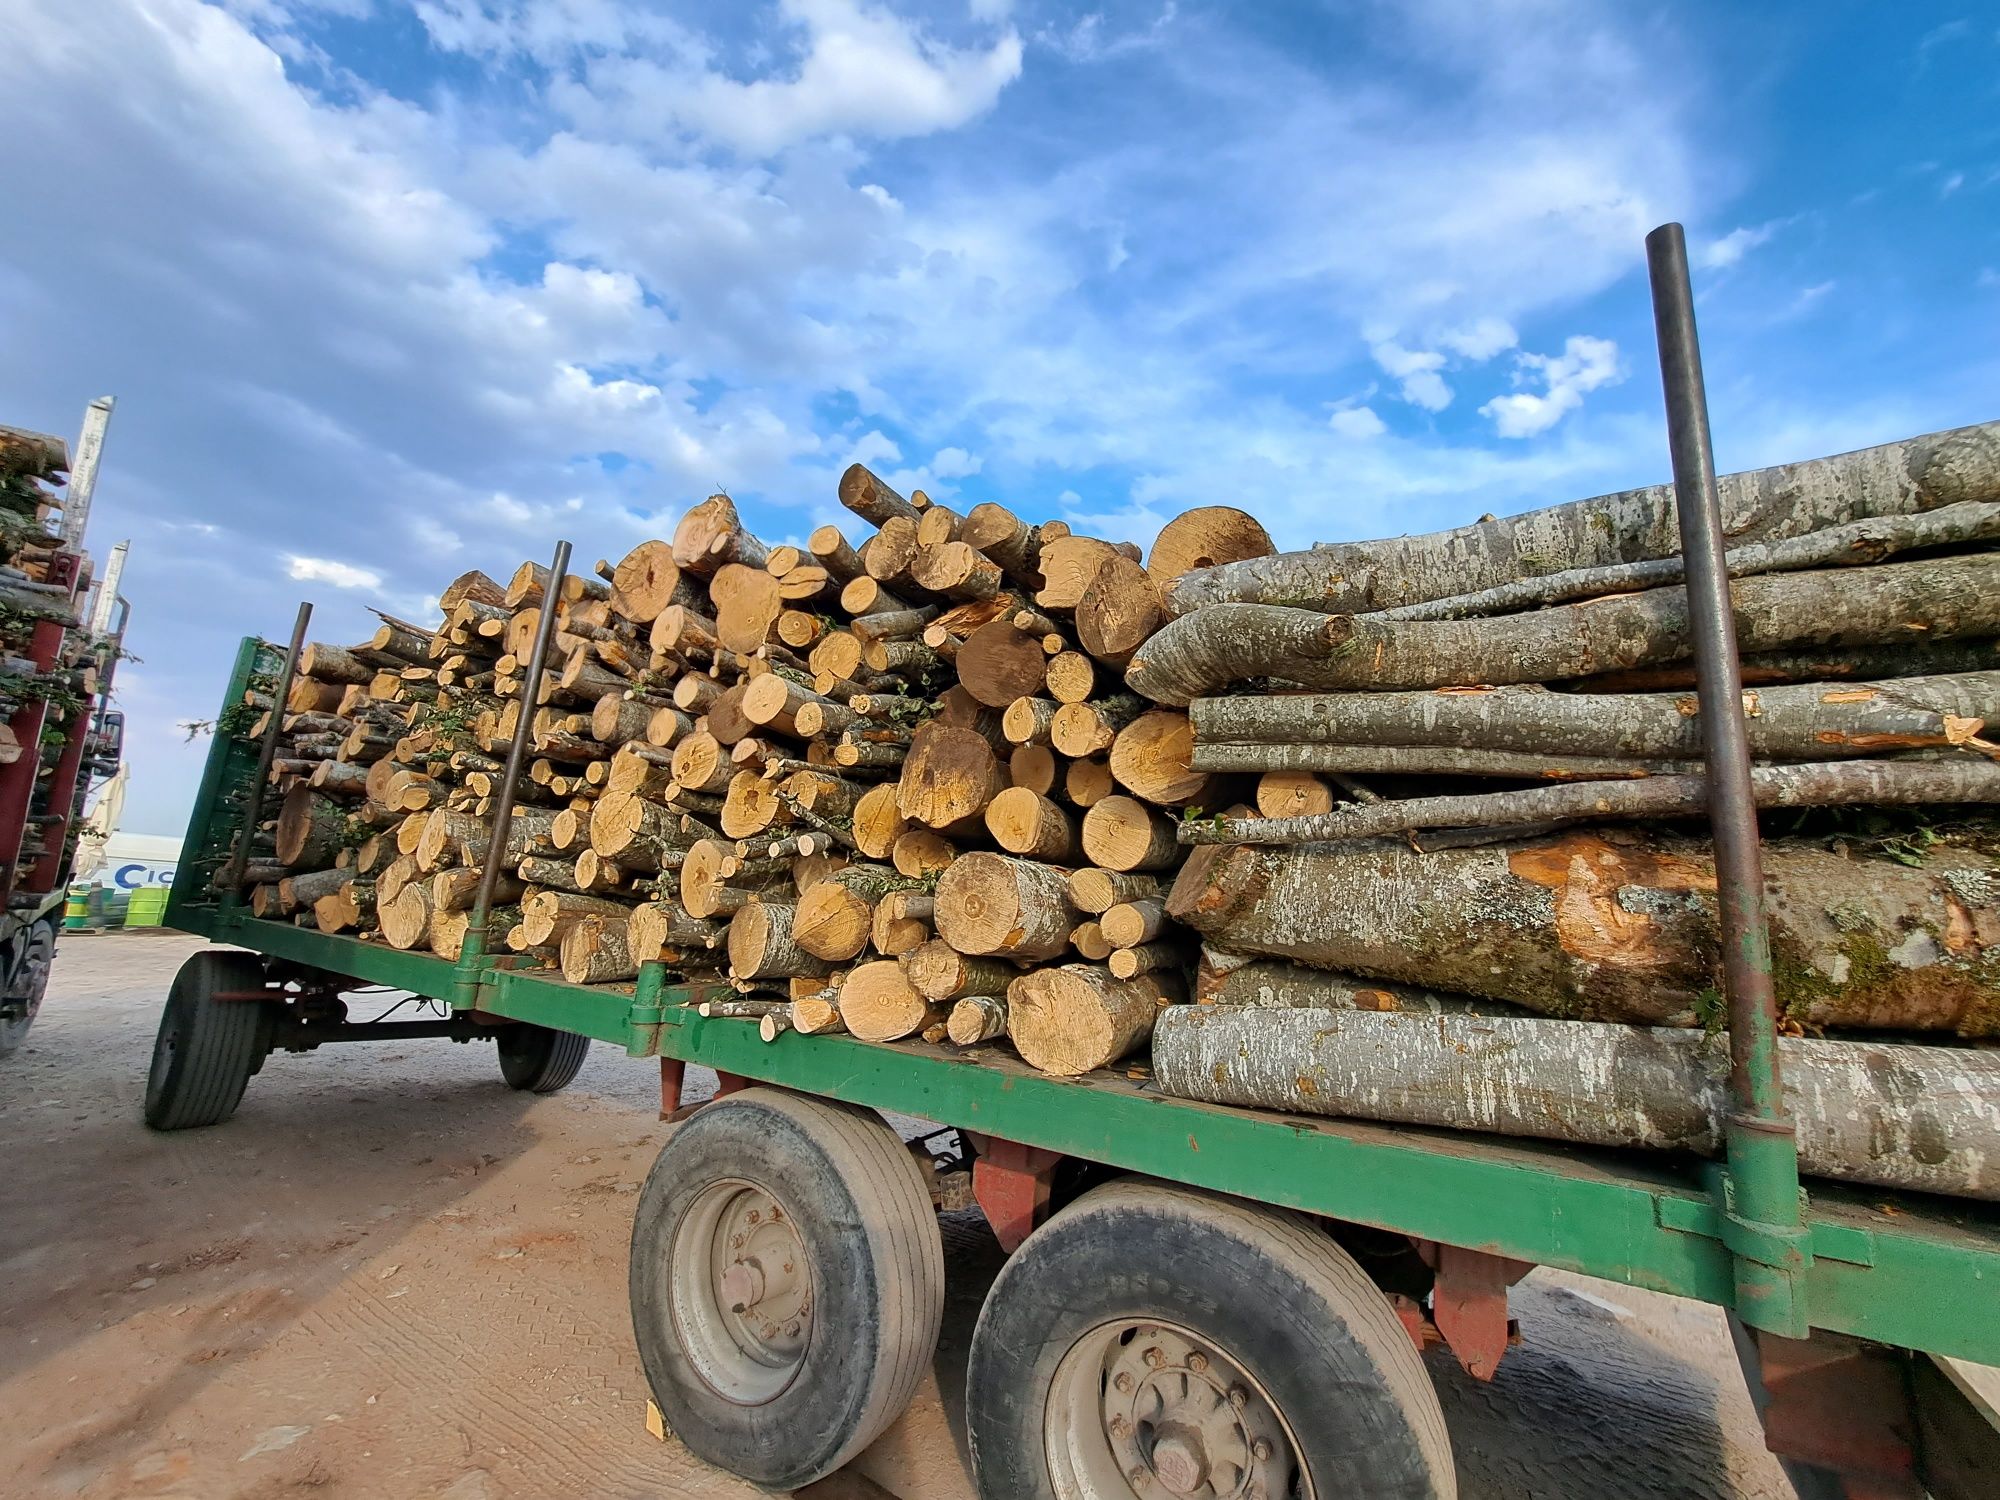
(1891, 1115)
(817, 1015)
(1144, 958)
(1072, 1019)
(1080, 730)
(1763, 505)
(1858, 783)
(991, 904)
(661, 930)
(1814, 721)
(977, 1018)
(940, 972)
(547, 915)
(1098, 890)
(598, 950)
(1224, 978)
(871, 499)
(762, 945)
(1618, 926)
(1853, 545)
(1424, 760)
(312, 827)
(1943, 599)
(1131, 923)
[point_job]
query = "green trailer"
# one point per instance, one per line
(1185, 1299)
(1198, 1300)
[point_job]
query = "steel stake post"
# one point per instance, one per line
(1763, 1223)
(253, 809)
(517, 755)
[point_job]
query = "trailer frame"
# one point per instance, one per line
(1900, 1272)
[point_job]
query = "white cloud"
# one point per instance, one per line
(860, 71)
(874, 448)
(325, 570)
(1357, 422)
(1720, 254)
(1585, 364)
(955, 463)
(1480, 339)
(1951, 184)
(1417, 369)
(1989, 276)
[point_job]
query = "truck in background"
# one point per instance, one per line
(62, 630)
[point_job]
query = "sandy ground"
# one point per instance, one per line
(390, 1276)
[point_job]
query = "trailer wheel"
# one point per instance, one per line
(787, 1282)
(540, 1059)
(1153, 1341)
(27, 980)
(206, 1049)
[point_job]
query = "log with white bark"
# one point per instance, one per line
(1761, 505)
(1857, 783)
(1618, 925)
(940, 972)
(1853, 545)
(1811, 721)
(1939, 599)
(1891, 1115)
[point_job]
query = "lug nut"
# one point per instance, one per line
(1119, 1427)
(1238, 1397)
(1123, 1381)
(1156, 1356)
(1197, 1362)
(754, 1217)
(1261, 1449)
(1140, 1477)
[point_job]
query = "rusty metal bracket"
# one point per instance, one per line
(1469, 1304)
(1844, 1405)
(1012, 1183)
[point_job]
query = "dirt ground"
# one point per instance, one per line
(390, 1276)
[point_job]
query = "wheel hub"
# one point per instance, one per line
(742, 1291)
(1173, 1417)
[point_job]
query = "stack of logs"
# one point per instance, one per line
(942, 784)
(1507, 712)
(893, 789)
(33, 466)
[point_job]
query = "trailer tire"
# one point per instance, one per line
(540, 1059)
(1149, 1329)
(27, 978)
(824, 1351)
(206, 1049)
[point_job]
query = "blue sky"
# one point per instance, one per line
(392, 288)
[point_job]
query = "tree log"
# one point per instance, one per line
(1943, 599)
(1578, 925)
(1852, 545)
(1815, 721)
(1027, 823)
(833, 920)
(1123, 834)
(871, 499)
(1762, 505)
(999, 663)
(1072, 1019)
(1118, 611)
(710, 536)
(1835, 784)
(312, 827)
(1224, 978)
(1152, 759)
(977, 1018)
(902, 922)
(991, 904)
(878, 1005)
(1087, 782)
(1206, 537)
(761, 944)
(940, 972)
(1892, 1115)
(1423, 760)
(949, 776)
(598, 950)
(1131, 923)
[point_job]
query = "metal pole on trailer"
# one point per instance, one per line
(1762, 1220)
(253, 808)
(517, 755)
